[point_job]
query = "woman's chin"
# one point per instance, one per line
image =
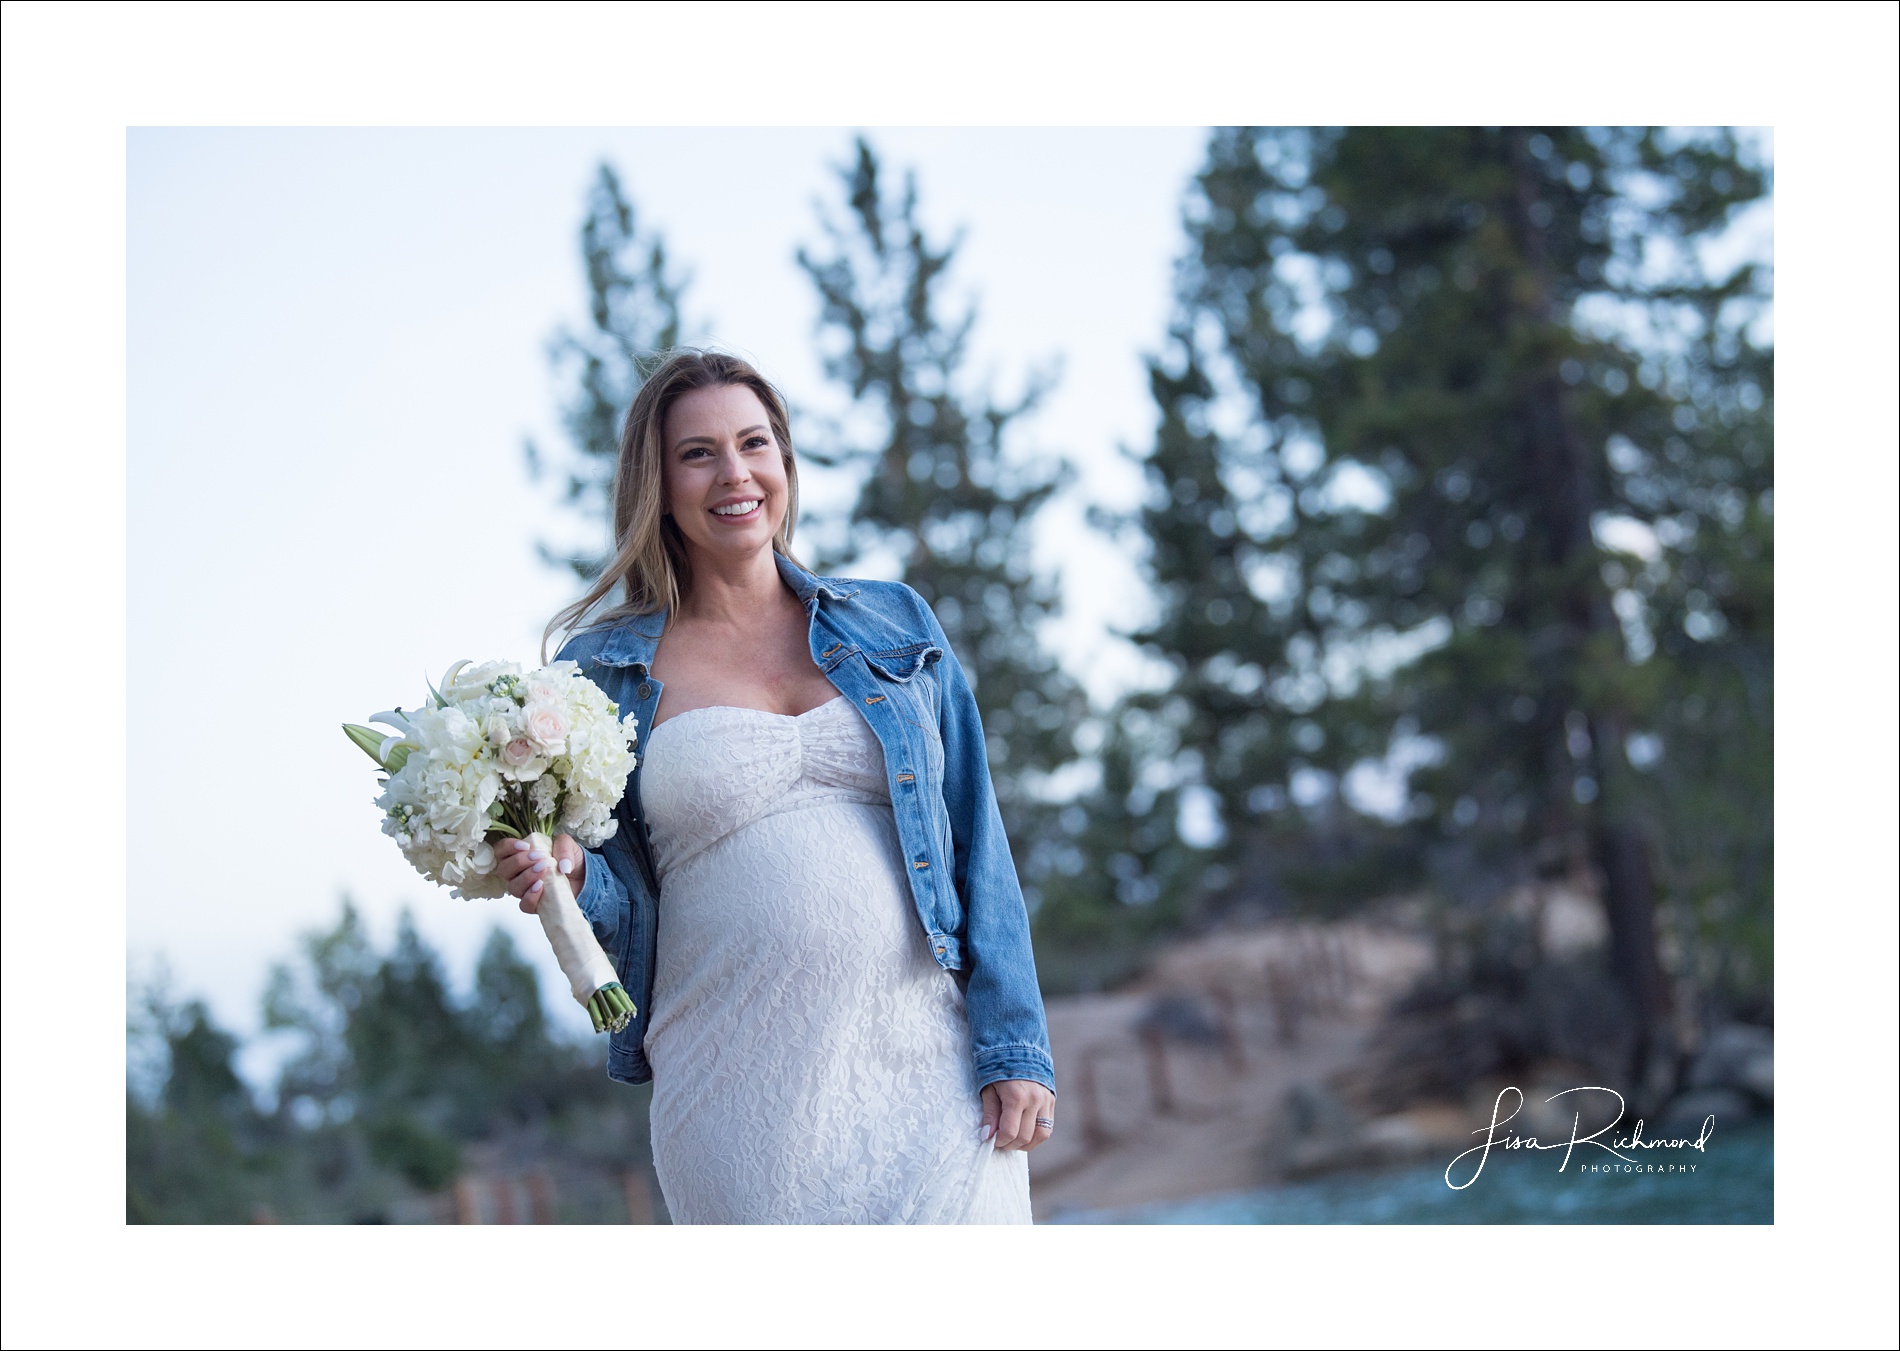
(737, 541)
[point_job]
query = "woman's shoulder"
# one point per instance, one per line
(896, 610)
(871, 590)
(614, 640)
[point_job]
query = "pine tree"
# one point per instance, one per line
(634, 305)
(1425, 389)
(941, 494)
(195, 1153)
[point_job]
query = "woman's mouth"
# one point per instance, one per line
(739, 511)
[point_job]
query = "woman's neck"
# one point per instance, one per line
(735, 593)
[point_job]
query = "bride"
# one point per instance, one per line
(810, 895)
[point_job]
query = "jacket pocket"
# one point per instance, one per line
(909, 676)
(903, 664)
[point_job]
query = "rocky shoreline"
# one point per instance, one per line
(1251, 1058)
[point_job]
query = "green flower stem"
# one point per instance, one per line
(610, 1008)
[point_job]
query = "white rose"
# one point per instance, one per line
(517, 752)
(546, 724)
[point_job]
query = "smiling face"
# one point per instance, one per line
(724, 471)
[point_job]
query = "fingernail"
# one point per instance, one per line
(537, 853)
(988, 1131)
(542, 866)
(536, 887)
(567, 865)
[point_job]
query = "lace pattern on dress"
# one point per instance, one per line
(811, 1060)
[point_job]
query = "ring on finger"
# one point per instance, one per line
(1046, 1123)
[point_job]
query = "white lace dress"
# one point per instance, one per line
(811, 1061)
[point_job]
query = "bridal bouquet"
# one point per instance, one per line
(500, 753)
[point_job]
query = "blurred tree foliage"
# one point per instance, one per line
(392, 1083)
(199, 1153)
(633, 301)
(1461, 531)
(941, 498)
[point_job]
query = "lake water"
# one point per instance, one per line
(1733, 1182)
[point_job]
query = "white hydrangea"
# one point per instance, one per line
(501, 752)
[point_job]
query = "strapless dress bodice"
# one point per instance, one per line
(811, 1061)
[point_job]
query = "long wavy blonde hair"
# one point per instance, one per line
(650, 565)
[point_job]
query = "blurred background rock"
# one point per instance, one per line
(1459, 540)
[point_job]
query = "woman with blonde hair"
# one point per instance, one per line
(810, 894)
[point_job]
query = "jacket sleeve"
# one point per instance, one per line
(603, 896)
(1009, 1032)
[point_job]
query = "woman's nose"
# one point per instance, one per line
(732, 468)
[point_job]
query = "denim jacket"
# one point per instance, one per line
(883, 649)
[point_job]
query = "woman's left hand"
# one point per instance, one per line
(1010, 1111)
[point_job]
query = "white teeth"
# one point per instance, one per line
(736, 509)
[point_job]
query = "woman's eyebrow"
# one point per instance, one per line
(686, 441)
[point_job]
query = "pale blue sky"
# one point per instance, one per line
(336, 345)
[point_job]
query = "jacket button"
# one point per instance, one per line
(645, 691)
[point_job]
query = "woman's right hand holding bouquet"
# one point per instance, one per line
(524, 869)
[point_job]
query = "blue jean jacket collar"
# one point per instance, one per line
(633, 642)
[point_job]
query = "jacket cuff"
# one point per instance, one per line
(1018, 1061)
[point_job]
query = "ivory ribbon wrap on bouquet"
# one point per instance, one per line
(569, 934)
